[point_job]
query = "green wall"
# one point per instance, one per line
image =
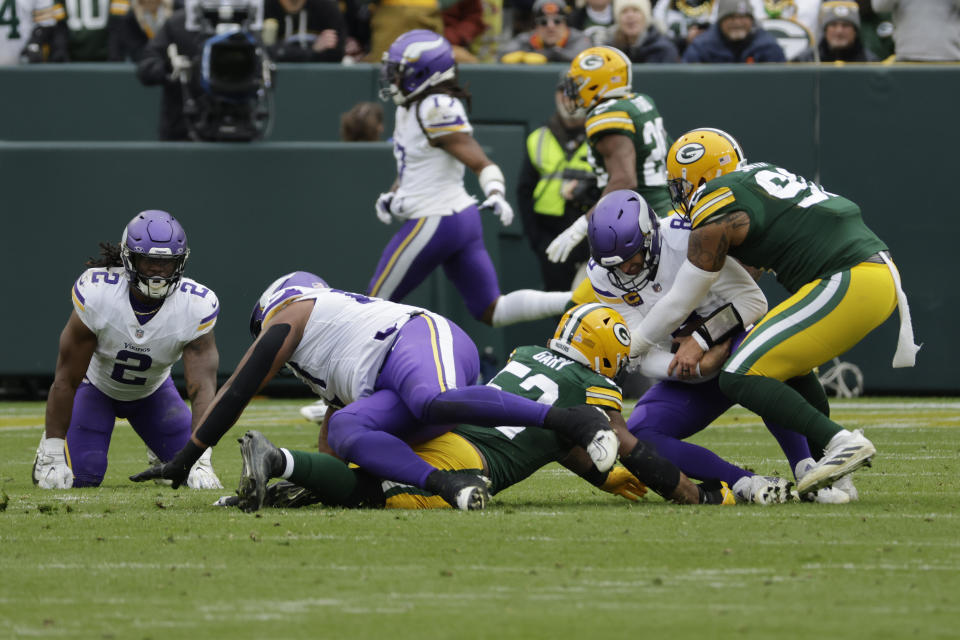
(77, 161)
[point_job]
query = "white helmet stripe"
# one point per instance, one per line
(417, 49)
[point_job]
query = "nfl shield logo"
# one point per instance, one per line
(139, 333)
(656, 288)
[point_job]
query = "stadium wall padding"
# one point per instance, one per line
(77, 161)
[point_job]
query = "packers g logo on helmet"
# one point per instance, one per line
(595, 74)
(594, 335)
(697, 157)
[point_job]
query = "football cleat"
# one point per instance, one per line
(846, 452)
(825, 495)
(261, 461)
(282, 494)
(763, 490)
(584, 425)
(463, 491)
(845, 484)
(603, 449)
(315, 412)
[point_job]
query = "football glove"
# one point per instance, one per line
(500, 207)
(50, 470)
(559, 250)
(176, 470)
(383, 207)
(623, 483)
(202, 475)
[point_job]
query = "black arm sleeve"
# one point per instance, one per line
(237, 394)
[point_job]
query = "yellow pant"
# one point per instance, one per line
(822, 320)
(450, 452)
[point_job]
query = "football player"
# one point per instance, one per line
(433, 142)
(628, 142)
(32, 31)
(842, 282)
(392, 374)
(134, 315)
(634, 261)
(578, 366)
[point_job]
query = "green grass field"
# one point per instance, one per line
(551, 558)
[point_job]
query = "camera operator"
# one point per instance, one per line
(556, 186)
(215, 75)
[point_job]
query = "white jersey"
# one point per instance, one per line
(429, 180)
(132, 360)
(17, 21)
(345, 341)
(734, 285)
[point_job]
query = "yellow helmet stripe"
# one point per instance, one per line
(711, 203)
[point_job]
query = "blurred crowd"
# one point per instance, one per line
(513, 31)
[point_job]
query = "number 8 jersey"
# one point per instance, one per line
(132, 360)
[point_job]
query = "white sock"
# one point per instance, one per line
(742, 488)
(802, 467)
(527, 304)
(288, 470)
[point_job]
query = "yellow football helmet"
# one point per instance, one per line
(595, 336)
(595, 74)
(697, 157)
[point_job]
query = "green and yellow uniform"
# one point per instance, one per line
(511, 454)
(821, 251)
(635, 116)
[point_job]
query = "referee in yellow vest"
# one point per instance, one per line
(556, 186)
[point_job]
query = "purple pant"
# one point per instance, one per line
(426, 386)
(423, 244)
(669, 412)
(162, 420)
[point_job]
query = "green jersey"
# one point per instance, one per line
(87, 25)
(797, 230)
(537, 373)
(636, 117)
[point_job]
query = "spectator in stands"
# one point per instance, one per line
(593, 18)
(356, 17)
(362, 123)
(390, 20)
(734, 37)
(683, 20)
(635, 34)
(128, 34)
(924, 30)
(840, 34)
(462, 24)
(551, 40)
(87, 32)
(876, 30)
(33, 32)
(556, 186)
(304, 30)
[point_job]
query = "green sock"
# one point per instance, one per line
(781, 403)
(328, 477)
(812, 391)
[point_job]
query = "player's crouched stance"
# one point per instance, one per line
(576, 371)
(134, 316)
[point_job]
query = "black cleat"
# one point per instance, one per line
(463, 491)
(261, 461)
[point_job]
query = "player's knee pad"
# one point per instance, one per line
(653, 470)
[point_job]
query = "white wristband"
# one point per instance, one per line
(700, 341)
(491, 179)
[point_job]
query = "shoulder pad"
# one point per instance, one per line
(442, 114)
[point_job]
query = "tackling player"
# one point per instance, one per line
(134, 316)
(635, 261)
(842, 281)
(396, 374)
(628, 143)
(588, 350)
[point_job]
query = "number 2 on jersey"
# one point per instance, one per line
(130, 362)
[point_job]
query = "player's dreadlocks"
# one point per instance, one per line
(109, 256)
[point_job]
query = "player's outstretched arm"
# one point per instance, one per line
(264, 358)
(200, 362)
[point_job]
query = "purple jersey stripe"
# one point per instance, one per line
(211, 316)
(76, 292)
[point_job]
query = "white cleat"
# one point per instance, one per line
(603, 449)
(824, 495)
(763, 490)
(845, 484)
(315, 412)
(846, 452)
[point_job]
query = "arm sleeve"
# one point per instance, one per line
(689, 288)
(735, 285)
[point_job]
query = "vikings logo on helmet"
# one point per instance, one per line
(280, 293)
(595, 336)
(596, 74)
(417, 60)
(154, 235)
(623, 226)
(697, 157)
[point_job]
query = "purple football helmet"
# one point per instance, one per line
(417, 60)
(285, 286)
(622, 226)
(154, 235)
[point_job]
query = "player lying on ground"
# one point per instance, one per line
(635, 261)
(398, 373)
(134, 316)
(587, 352)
